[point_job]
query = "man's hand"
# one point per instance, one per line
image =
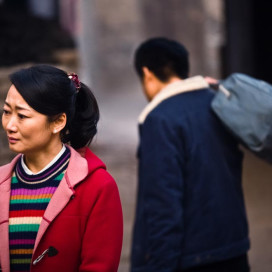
(212, 82)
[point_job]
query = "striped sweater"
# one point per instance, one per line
(30, 195)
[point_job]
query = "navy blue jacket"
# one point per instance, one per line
(190, 208)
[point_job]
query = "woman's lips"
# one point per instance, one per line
(12, 140)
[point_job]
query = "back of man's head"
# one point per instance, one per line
(164, 57)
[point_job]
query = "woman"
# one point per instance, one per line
(59, 208)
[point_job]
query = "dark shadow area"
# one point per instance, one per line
(248, 40)
(262, 39)
(27, 38)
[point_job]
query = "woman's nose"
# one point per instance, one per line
(11, 124)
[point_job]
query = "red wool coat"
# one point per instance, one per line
(83, 220)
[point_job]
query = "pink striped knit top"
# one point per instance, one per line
(30, 195)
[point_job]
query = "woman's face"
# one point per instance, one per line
(28, 131)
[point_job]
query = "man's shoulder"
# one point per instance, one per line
(169, 96)
(182, 104)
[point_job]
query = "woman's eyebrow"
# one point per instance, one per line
(16, 107)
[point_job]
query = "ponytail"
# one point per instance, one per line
(83, 126)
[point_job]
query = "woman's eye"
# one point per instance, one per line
(5, 112)
(21, 116)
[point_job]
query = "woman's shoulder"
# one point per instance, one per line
(97, 171)
(97, 174)
(102, 178)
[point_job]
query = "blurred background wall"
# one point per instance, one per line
(97, 38)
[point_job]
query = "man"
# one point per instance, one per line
(190, 211)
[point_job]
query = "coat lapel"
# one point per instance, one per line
(77, 170)
(4, 226)
(5, 181)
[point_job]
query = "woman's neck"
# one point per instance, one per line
(39, 160)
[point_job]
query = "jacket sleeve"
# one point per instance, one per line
(161, 176)
(102, 241)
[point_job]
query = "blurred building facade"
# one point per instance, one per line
(223, 36)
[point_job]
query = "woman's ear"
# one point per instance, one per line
(59, 123)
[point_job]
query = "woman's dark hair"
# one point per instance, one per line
(49, 91)
(164, 57)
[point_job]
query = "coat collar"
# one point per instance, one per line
(177, 87)
(5, 174)
(76, 171)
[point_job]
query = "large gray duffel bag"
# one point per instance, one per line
(244, 105)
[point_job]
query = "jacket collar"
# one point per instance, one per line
(177, 87)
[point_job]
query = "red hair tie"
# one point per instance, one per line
(74, 78)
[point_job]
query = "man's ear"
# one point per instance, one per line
(59, 123)
(147, 74)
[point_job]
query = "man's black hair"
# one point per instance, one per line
(164, 57)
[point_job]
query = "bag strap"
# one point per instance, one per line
(219, 87)
(225, 91)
